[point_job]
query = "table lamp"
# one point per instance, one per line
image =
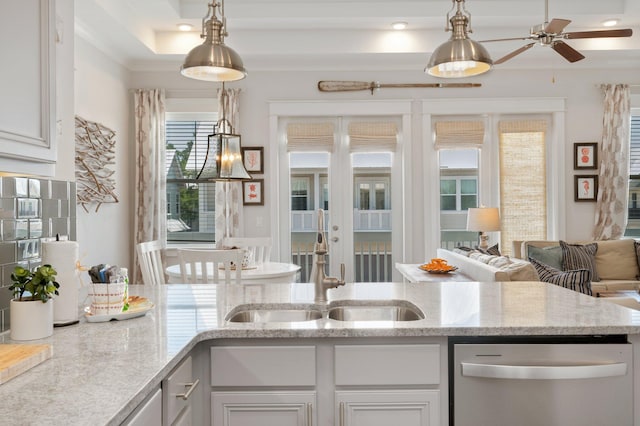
(483, 220)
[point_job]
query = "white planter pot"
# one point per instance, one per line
(31, 320)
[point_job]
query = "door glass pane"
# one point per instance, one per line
(309, 192)
(372, 218)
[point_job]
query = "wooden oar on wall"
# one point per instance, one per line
(352, 86)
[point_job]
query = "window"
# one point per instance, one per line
(458, 193)
(633, 222)
(300, 192)
(190, 203)
(372, 193)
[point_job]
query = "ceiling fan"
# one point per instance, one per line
(552, 34)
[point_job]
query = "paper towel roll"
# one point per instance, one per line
(63, 257)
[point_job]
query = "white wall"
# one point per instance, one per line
(102, 95)
(579, 87)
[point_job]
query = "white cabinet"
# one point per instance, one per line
(277, 385)
(382, 408)
(27, 84)
(272, 408)
(327, 382)
(372, 380)
(180, 388)
(148, 413)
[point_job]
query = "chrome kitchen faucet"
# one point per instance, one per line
(321, 281)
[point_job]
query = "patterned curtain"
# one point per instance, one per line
(228, 102)
(613, 180)
(150, 221)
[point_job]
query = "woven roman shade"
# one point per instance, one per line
(373, 136)
(310, 137)
(459, 134)
(523, 184)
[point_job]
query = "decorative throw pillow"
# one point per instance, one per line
(493, 250)
(551, 255)
(576, 256)
(576, 280)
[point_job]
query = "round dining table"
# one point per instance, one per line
(267, 272)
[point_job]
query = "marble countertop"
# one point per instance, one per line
(100, 372)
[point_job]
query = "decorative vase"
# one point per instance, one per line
(31, 319)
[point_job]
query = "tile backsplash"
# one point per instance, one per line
(30, 209)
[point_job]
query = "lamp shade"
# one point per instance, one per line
(229, 163)
(483, 219)
(459, 56)
(213, 60)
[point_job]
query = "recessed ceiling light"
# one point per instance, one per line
(610, 22)
(185, 27)
(399, 25)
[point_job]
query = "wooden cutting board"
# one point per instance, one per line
(15, 359)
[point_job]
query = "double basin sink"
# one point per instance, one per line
(342, 310)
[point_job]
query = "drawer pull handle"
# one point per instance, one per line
(191, 386)
(309, 414)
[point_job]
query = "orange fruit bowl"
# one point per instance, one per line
(438, 266)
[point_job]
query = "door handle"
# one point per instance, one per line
(538, 372)
(335, 239)
(191, 386)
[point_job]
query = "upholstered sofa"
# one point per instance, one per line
(616, 262)
(487, 268)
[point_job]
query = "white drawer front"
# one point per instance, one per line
(177, 383)
(387, 365)
(263, 366)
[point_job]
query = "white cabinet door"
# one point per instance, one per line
(262, 408)
(27, 84)
(389, 407)
(148, 413)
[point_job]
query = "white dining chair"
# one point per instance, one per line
(150, 260)
(193, 266)
(259, 247)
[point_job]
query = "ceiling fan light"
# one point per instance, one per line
(610, 22)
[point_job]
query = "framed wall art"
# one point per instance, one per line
(252, 192)
(253, 158)
(586, 187)
(585, 155)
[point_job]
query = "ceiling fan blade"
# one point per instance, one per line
(627, 32)
(556, 26)
(568, 52)
(504, 39)
(514, 53)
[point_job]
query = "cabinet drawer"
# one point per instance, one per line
(263, 366)
(387, 365)
(177, 384)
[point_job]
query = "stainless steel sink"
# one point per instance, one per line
(382, 310)
(273, 313)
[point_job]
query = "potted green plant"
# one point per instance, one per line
(31, 309)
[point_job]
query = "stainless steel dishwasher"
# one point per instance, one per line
(566, 381)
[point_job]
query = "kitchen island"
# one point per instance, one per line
(100, 372)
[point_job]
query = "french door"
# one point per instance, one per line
(356, 184)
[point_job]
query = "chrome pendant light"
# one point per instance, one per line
(460, 56)
(213, 60)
